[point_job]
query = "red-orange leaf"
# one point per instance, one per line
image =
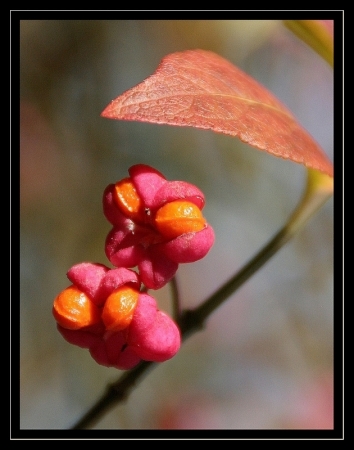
(200, 89)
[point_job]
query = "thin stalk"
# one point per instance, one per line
(115, 393)
(318, 190)
(176, 305)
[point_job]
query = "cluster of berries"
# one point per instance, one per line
(157, 224)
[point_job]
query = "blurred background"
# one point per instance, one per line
(265, 357)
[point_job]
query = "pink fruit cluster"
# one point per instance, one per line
(157, 224)
(150, 335)
(140, 240)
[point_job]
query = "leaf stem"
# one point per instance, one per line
(315, 34)
(318, 190)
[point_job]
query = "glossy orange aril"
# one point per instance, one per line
(128, 200)
(73, 309)
(179, 217)
(119, 308)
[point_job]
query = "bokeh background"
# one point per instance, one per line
(265, 358)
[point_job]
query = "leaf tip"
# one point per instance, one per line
(110, 111)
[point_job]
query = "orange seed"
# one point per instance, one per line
(73, 309)
(178, 217)
(119, 308)
(128, 200)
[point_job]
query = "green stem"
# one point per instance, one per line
(319, 189)
(314, 34)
